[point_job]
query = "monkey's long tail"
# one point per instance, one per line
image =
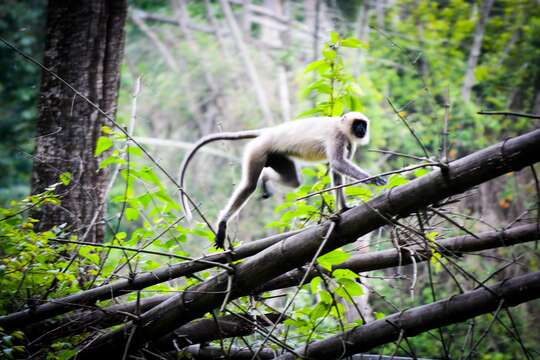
(240, 135)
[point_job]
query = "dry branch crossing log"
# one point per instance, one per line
(462, 174)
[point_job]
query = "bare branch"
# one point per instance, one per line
(509, 113)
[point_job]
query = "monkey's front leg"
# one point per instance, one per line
(341, 203)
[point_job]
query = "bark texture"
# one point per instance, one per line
(84, 46)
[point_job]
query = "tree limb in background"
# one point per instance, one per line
(474, 55)
(250, 68)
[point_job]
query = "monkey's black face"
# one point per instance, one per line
(359, 128)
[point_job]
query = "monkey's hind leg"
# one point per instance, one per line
(267, 189)
(253, 164)
(279, 168)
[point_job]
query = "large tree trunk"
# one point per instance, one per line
(84, 47)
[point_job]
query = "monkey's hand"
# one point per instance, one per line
(219, 242)
(379, 181)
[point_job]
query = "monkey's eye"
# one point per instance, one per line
(359, 128)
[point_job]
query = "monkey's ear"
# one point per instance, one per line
(342, 118)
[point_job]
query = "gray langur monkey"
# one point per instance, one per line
(270, 157)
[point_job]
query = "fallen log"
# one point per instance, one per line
(460, 175)
(378, 260)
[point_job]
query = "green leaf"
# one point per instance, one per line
(420, 172)
(134, 151)
(308, 113)
(396, 180)
(319, 86)
(147, 174)
(359, 192)
(315, 284)
(337, 109)
(353, 43)
(111, 160)
(432, 236)
(334, 37)
(121, 235)
(352, 287)
(315, 65)
(319, 311)
(65, 178)
(333, 258)
(103, 143)
(106, 130)
(344, 274)
(329, 54)
(326, 298)
(131, 214)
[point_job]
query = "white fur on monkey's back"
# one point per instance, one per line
(305, 139)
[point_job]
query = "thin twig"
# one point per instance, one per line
(415, 272)
(444, 135)
(471, 352)
(420, 158)
(509, 113)
(124, 248)
(411, 130)
(455, 223)
(537, 187)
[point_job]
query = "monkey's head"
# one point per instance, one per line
(356, 126)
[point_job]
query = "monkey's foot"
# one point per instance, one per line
(343, 209)
(379, 181)
(266, 195)
(335, 217)
(219, 242)
(267, 191)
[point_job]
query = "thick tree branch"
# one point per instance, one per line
(462, 174)
(423, 318)
(390, 258)
(205, 330)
